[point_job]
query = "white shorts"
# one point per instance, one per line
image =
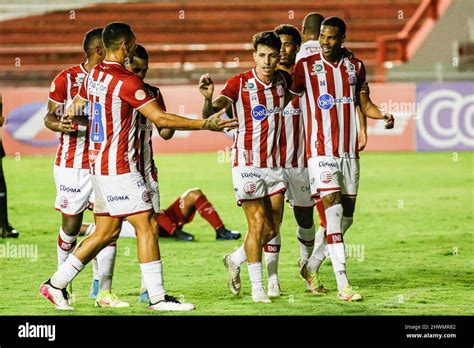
(153, 189)
(73, 190)
(329, 173)
(298, 192)
(120, 195)
(251, 183)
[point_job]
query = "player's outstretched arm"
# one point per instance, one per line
(373, 111)
(206, 87)
(163, 119)
(55, 120)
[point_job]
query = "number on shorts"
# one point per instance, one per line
(97, 130)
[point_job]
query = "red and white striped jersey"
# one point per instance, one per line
(292, 138)
(72, 149)
(258, 107)
(331, 122)
(145, 132)
(307, 49)
(113, 94)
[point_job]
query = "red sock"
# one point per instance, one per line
(207, 211)
(321, 213)
(166, 223)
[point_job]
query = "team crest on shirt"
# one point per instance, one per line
(140, 94)
(53, 87)
(318, 68)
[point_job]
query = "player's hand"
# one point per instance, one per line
(389, 120)
(362, 140)
(365, 88)
(214, 123)
(206, 86)
(66, 125)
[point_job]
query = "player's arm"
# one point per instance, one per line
(206, 87)
(371, 110)
(54, 119)
(163, 119)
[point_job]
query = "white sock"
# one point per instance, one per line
(346, 223)
(90, 229)
(319, 252)
(95, 269)
(272, 254)
(256, 275)
(65, 246)
(335, 244)
(127, 231)
(153, 276)
(142, 286)
(105, 266)
(67, 272)
(239, 257)
(306, 238)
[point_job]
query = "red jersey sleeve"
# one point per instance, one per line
(58, 89)
(360, 77)
(159, 99)
(231, 88)
(287, 77)
(298, 86)
(134, 92)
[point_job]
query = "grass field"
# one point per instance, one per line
(411, 243)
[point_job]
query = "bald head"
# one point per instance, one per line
(311, 26)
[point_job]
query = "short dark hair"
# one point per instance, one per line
(89, 38)
(288, 29)
(312, 23)
(336, 22)
(116, 32)
(267, 38)
(140, 52)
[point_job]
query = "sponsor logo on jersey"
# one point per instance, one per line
(117, 198)
(96, 88)
(326, 101)
(79, 79)
(305, 188)
(69, 189)
(259, 112)
(292, 111)
(318, 68)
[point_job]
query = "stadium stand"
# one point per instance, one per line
(188, 38)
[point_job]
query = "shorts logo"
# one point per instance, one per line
(250, 188)
(326, 177)
(327, 164)
(63, 202)
(69, 189)
(305, 189)
(141, 183)
(140, 94)
(249, 175)
(146, 197)
(259, 112)
(117, 198)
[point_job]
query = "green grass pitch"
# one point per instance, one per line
(410, 247)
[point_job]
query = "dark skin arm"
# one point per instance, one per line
(373, 111)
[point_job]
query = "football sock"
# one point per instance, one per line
(239, 257)
(3, 200)
(105, 265)
(319, 251)
(207, 211)
(152, 273)
(66, 272)
(306, 238)
(271, 252)
(95, 269)
(256, 275)
(65, 246)
(336, 244)
(165, 223)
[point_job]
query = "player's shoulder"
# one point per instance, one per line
(356, 62)
(153, 90)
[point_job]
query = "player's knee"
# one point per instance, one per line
(192, 194)
(304, 217)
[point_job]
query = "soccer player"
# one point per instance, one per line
(310, 35)
(7, 231)
(257, 98)
(332, 84)
(71, 168)
(114, 94)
